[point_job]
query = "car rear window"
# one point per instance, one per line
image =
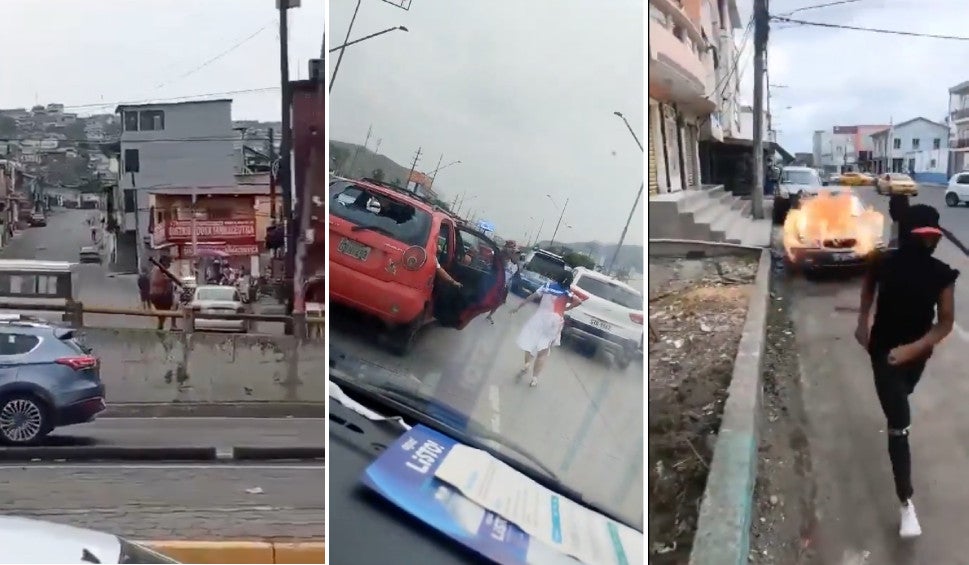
(17, 344)
(611, 292)
(551, 267)
(380, 212)
(227, 294)
(799, 177)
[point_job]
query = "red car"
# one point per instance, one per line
(384, 247)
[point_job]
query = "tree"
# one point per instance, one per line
(576, 259)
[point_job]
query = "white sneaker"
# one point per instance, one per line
(534, 382)
(909, 527)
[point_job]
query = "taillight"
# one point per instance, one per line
(414, 258)
(636, 317)
(78, 363)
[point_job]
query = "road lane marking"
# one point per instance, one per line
(493, 397)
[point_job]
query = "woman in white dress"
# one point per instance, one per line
(544, 329)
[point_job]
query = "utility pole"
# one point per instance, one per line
(413, 166)
(339, 58)
(622, 237)
(761, 29)
(285, 153)
(356, 149)
(557, 224)
(272, 176)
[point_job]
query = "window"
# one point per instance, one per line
(443, 243)
(915, 143)
(931, 163)
(911, 164)
(17, 344)
(963, 179)
(380, 212)
(610, 291)
(897, 143)
(132, 161)
(937, 143)
(131, 121)
(152, 120)
(130, 202)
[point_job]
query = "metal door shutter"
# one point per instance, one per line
(690, 155)
(653, 176)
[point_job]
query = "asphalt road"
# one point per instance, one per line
(164, 502)
(584, 421)
(194, 432)
(857, 509)
(61, 240)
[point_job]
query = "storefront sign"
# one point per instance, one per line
(229, 249)
(231, 230)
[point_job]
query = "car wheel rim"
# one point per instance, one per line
(20, 420)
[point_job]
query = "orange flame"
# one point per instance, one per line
(829, 219)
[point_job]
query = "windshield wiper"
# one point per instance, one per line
(361, 227)
(402, 401)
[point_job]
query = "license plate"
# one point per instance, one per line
(597, 323)
(842, 257)
(354, 249)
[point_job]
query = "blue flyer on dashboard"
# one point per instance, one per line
(408, 474)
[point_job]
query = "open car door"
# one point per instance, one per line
(476, 263)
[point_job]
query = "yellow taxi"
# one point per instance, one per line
(896, 183)
(856, 179)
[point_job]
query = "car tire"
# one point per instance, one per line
(952, 199)
(29, 407)
(403, 338)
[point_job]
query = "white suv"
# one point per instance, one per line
(610, 318)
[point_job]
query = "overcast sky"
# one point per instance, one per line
(841, 77)
(522, 93)
(83, 53)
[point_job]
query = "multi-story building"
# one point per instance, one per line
(958, 119)
(183, 144)
(692, 89)
(846, 148)
(916, 147)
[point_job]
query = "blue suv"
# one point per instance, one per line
(48, 379)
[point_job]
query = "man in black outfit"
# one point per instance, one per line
(912, 288)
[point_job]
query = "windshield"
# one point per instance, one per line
(370, 208)
(800, 177)
(546, 186)
(546, 266)
(611, 292)
(898, 176)
(219, 294)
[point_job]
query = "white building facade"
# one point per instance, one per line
(917, 147)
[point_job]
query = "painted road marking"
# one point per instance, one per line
(493, 398)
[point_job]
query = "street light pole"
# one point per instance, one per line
(339, 59)
(639, 194)
(630, 128)
(559, 223)
(285, 150)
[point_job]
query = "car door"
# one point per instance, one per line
(962, 186)
(477, 265)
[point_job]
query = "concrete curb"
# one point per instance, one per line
(241, 551)
(723, 528)
(692, 248)
(156, 453)
(217, 410)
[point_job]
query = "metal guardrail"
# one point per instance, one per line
(73, 314)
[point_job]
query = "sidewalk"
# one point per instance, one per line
(857, 511)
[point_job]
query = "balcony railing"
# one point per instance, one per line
(958, 143)
(959, 114)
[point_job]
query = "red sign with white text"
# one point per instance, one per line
(229, 249)
(223, 230)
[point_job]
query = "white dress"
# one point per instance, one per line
(544, 329)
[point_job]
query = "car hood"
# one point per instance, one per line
(34, 541)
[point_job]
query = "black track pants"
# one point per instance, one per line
(894, 384)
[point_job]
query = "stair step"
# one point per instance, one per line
(725, 223)
(709, 214)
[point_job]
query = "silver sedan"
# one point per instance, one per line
(216, 299)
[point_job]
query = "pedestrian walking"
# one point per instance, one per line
(544, 329)
(161, 291)
(143, 288)
(913, 312)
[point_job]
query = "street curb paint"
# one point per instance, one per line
(158, 453)
(277, 453)
(723, 527)
(241, 551)
(216, 410)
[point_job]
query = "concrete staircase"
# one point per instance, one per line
(708, 214)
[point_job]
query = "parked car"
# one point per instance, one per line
(217, 299)
(896, 183)
(26, 540)
(385, 244)
(957, 192)
(90, 254)
(48, 379)
(37, 220)
(538, 267)
(610, 317)
(794, 182)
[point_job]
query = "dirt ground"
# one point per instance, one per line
(697, 308)
(783, 521)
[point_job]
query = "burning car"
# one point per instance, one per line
(832, 230)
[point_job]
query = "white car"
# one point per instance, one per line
(24, 540)
(216, 299)
(794, 183)
(958, 190)
(610, 317)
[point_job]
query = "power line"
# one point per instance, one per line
(825, 5)
(116, 140)
(870, 29)
(722, 83)
(219, 56)
(171, 99)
